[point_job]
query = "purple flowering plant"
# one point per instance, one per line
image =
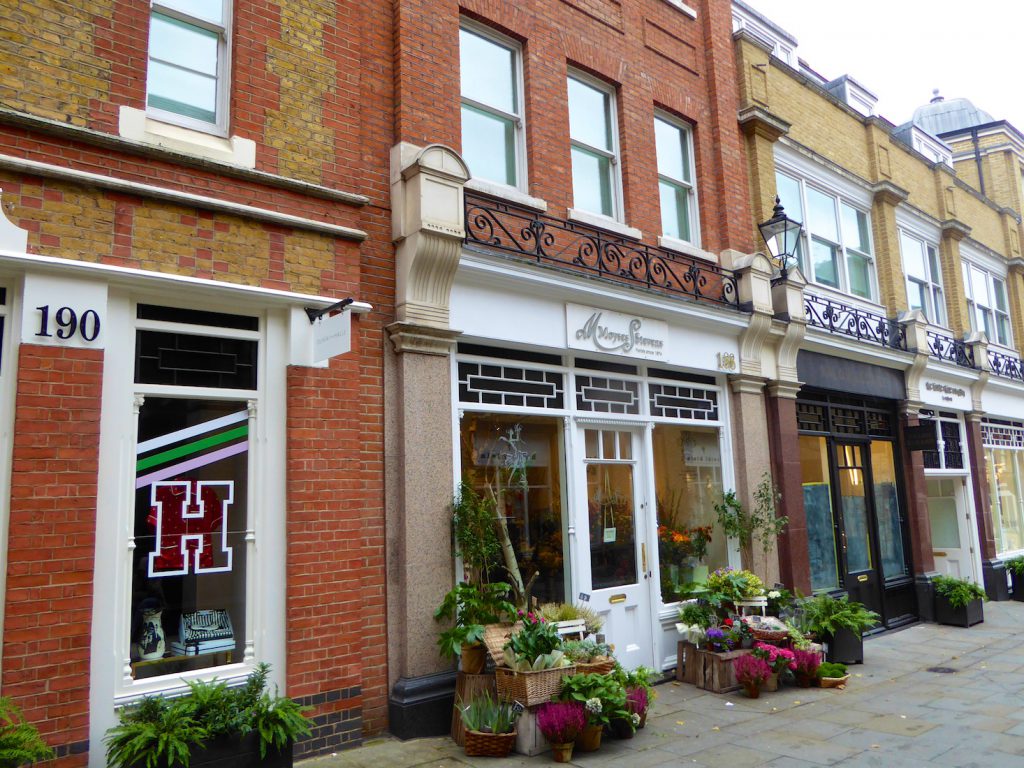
(561, 721)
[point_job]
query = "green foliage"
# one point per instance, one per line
(471, 606)
(761, 522)
(958, 592)
(734, 585)
(20, 743)
(474, 524)
(698, 614)
(825, 615)
(641, 677)
(1016, 565)
(831, 669)
(607, 690)
(569, 612)
(535, 646)
(160, 732)
(584, 650)
(485, 715)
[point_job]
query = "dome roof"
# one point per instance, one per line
(941, 116)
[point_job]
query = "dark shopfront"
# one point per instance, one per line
(855, 502)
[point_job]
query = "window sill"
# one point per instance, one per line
(680, 6)
(827, 292)
(603, 222)
(688, 249)
(136, 125)
(505, 192)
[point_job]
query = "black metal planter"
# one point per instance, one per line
(241, 752)
(845, 647)
(965, 616)
(1018, 587)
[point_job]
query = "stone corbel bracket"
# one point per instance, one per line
(788, 306)
(915, 326)
(753, 285)
(978, 343)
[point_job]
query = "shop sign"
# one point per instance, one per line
(937, 393)
(921, 437)
(600, 330)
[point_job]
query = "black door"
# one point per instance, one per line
(856, 524)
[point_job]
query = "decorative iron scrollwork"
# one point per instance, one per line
(576, 247)
(951, 350)
(1007, 366)
(859, 324)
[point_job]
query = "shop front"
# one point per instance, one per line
(1002, 438)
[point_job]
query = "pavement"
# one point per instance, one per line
(896, 711)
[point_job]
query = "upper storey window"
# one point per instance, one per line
(836, 249)
(492, 108)
(595, 150)
(188, 63)
(675, 180)
(924, 278)
(987, 304)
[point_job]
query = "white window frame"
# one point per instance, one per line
(518, 119)
(974, 307)
(615, 165)
(808, 235)
(7, 394)
(935, 294)
(219, 126)
(688, 184)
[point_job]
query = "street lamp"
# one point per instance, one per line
(782, 236)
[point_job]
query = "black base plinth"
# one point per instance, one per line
(994, 574)
(422, 706)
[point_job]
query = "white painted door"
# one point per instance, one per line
(611, 533)
(952, 543)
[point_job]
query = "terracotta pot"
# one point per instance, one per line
(643, 719)
(753, 690)
(562, 752)
(772, 683)
(474, 658)
(589, 739)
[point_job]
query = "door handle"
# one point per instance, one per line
(614, 599)
(643, 557)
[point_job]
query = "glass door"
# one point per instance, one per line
(856, 526)
(614, 562)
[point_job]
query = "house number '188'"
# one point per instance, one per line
(68, 323)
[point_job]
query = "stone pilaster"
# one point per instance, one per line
(891, 288)
(953, 232)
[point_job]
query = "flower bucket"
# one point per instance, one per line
(562, 752)
(590, 739)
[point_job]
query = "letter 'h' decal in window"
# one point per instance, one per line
(191, 522)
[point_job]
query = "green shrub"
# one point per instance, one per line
(831, 669)
(958, 592)
(825, 615)
(1016, 565)
(603, 696)
(486, 715)
(20, 743)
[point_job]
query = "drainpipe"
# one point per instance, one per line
(977, 159)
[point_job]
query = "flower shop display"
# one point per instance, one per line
(695, 618)
(958, 602)
(561, 722)
(534, 663)
(839, 623)
(20, 742)
(490, 726)
(751, 673)
(211, 725)
(604, 698)
(589, 656)
(471, 606)
(832, 675)
(681, 552)
(1015, 567)
(805, 667)
(779, 660)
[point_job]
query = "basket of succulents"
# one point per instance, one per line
(534, 663)
(589, 656)
(604, 699)
(832, 675)
(20, 742)
(779, 659)
(805, 667)
(752, 672)
(562, 722)
(1015, 567)
(490, 726)
(958, 602)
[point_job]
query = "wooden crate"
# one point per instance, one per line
(529, 740)
(686, 663)
(714, 672)
(467, 688)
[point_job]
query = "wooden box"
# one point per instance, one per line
(713, 671)
(686, 662)
(529, 740)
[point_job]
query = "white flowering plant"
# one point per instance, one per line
(602, 696)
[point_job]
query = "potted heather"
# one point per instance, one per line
(1015, 566)
(561, 722)
(958, 602)
(779, 659)
(20, 743)
(805, 666)
(604, 698)
(751, 672)
(490, 726)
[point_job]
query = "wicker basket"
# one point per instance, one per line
(530, 688)
(595, 668)
(495, 637)
(833, 682)
(489, 744)
(772, 636)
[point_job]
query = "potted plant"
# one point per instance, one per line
(472, 606)
(559, 612)
(958, 602)
(534, 663)
(211, 725)
(640, 693)
(589, 656)
(779, 660)
(805, 666)
(1015, 566)
(20, 743)
(725, 587)
(490, 726)
(760, 524)
(840, 623)
(832, 675)
(603, 697)
(561, 722)
(751, 672)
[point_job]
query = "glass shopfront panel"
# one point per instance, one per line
(887, 509)
(1006, 483)
(517, 459)
(821, 530)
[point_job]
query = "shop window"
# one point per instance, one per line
(187, 79)
(821, 527)
(949, 443)
(887, 509)
(517, 461)
(492, 106)
(924, 278)
(594, 146)
(674, 146)
(192, 522)
(1006, 494)
(986, 304)
(688, 484)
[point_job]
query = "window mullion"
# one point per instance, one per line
(496, 111)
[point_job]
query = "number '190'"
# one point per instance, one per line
(68, 323)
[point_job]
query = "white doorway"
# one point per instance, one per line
(953, 542)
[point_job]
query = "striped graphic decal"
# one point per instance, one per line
(188, 449)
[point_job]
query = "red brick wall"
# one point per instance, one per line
(654, 55)
(51, 545)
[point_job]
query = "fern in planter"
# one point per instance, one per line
(1016, 566)
(20, 743)
(825, 615)
(958, 592)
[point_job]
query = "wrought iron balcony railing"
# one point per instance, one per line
(951, 350)
(587, 250)
(859, 324)
(1007, 366)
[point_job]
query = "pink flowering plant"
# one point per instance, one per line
(779, 659)
(536, 646)
(561, 721)
(805, 664)
(636, 700)
(750, 669)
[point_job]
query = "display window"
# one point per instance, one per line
(1004, 461)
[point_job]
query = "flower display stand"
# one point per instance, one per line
(713, 671)
(686, 663)
(467, 688)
